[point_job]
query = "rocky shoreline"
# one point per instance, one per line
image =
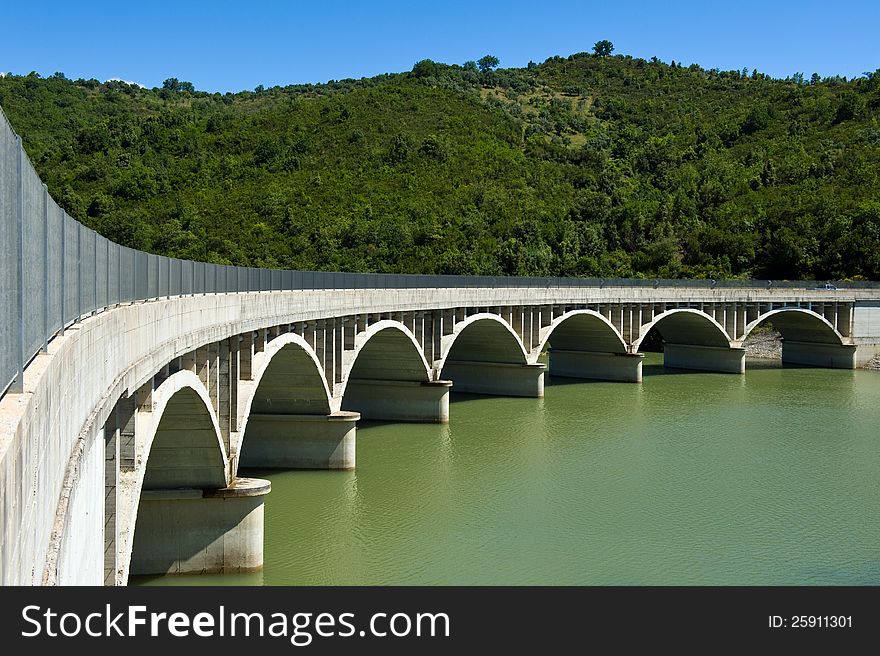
(769, 345)
(764, 345)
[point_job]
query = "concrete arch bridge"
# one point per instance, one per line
(163, 401)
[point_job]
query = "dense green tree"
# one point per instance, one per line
(433, 148)
(849, 106)
(398, 153)
(173, 84)
(488, 62)
(425, 68)
(604, 48)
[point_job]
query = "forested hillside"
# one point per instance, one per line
(590, 165)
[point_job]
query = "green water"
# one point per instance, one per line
(688, 478)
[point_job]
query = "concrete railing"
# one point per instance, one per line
(54, 270)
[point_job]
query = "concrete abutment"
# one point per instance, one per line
(193, 531)
(865, 353)
(496, 378)
(832, 356)
(300, 441)
(399, 400)
(705, 358)
(622, 367)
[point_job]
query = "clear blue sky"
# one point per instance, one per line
(231, 46)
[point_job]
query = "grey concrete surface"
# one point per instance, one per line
(301, 441)
(621, 367)
(188, 531)
(705, 358)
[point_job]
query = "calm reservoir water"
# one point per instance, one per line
(688, 478)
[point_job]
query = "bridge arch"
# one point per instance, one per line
(387, 377)
(482, 337)
(582, 330)
(385, 351)
(288, 379)
(798, 325)
(287, 401)
(808, 338)
(686, 326)
(484, 355)
(585, 344)
(180, 448)
(183, 447)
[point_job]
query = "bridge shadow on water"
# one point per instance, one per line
(772, 363)
(561, 381)
(378, 423)
(651, 370)
(459, 398)
(232, 578)
(752, 364)
(657, 369)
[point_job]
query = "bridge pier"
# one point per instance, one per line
(623, 367)
(496, 378)
(300, 441)
(192, 531)
(399, 400)
(833, 356)
(705, 358)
